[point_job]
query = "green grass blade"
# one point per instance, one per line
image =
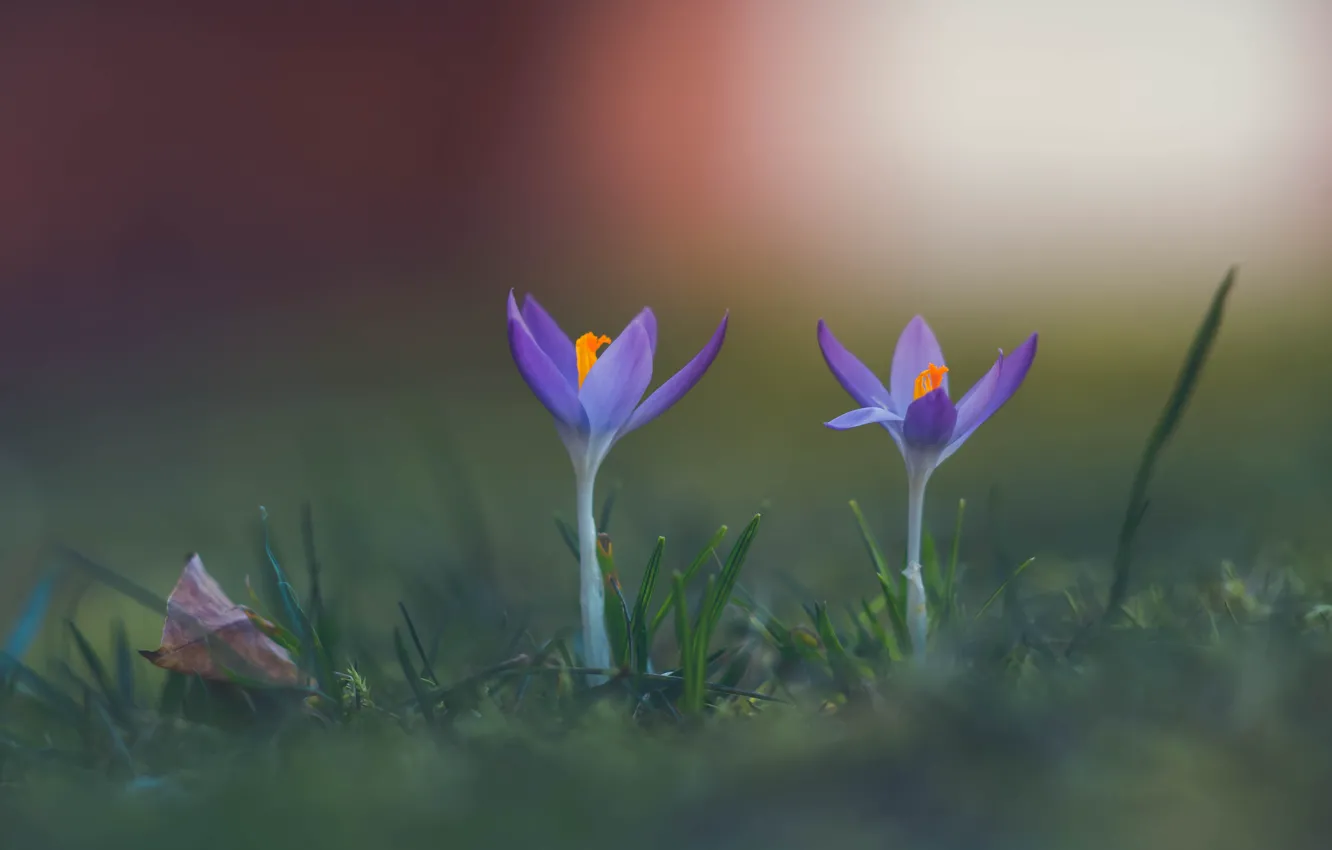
(949, 606)
(315, 602)
(999, 591)
(32, 615)
(688, 576)
(113, 580)
(173, 694)
(124, 663)
(684, 640)
(413, 677)
(697, 670)
(429, 671)
(98, 671)
(569, 536)
(613, 607)
(873, 548)
(1171, 415)
(931, 572)
(715, 603)
(603, 520)
(638, 627)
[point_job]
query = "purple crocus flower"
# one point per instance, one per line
(927, 426)
(596, 399)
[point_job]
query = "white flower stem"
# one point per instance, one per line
(596, 641)
(918, 617)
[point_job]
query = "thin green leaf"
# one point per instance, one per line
(950, 578)
(638, 628)
(173, 694)
(416, 642)
(98, 672)
(715, 603)
(569, 536)
(315, 603)
(1166, 425)
(684, 640)
(613, 606)
(998, 591)
(413, 677)
(688, 576)
(603, 522)
(875, 551)
(124, 663)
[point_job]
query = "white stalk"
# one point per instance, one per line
(596, 640)
(918, 616)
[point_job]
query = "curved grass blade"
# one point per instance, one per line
(715, 602)
(429, 671)
(638, 628)
(1185, 384)
(999, 591)
(413, 677)
(33, 614)
(894, 599)
(688, 576)
(569, 536)
(604, 518)
(98, 671)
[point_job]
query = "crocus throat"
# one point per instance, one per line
(926, 382)
(586, 347)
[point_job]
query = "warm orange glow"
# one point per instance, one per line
(587, 347)
(930, 380)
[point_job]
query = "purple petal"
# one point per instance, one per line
(917, 348)
(648, 320)
(1012, 372)
(552, 339)
(540, 373)
(929, 421)
(859, 382)
(616, 382)
(863, 416)
(680, 383)
(971, 409)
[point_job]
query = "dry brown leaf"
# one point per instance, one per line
(206, 632)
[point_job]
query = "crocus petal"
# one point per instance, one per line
(863, 416)
(856, 378)
(540, 372)
(648, 320)
(680, 383)
(916, 349)
(971, 409)
(929, 421)
(552, 339)
(615, 384)
(1012, 370)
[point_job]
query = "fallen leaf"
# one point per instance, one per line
(208, 635)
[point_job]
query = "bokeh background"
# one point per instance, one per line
(256, 257)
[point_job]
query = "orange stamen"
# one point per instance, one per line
(586, 348)
(930, 380)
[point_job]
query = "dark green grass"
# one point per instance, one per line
(1121, 713)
